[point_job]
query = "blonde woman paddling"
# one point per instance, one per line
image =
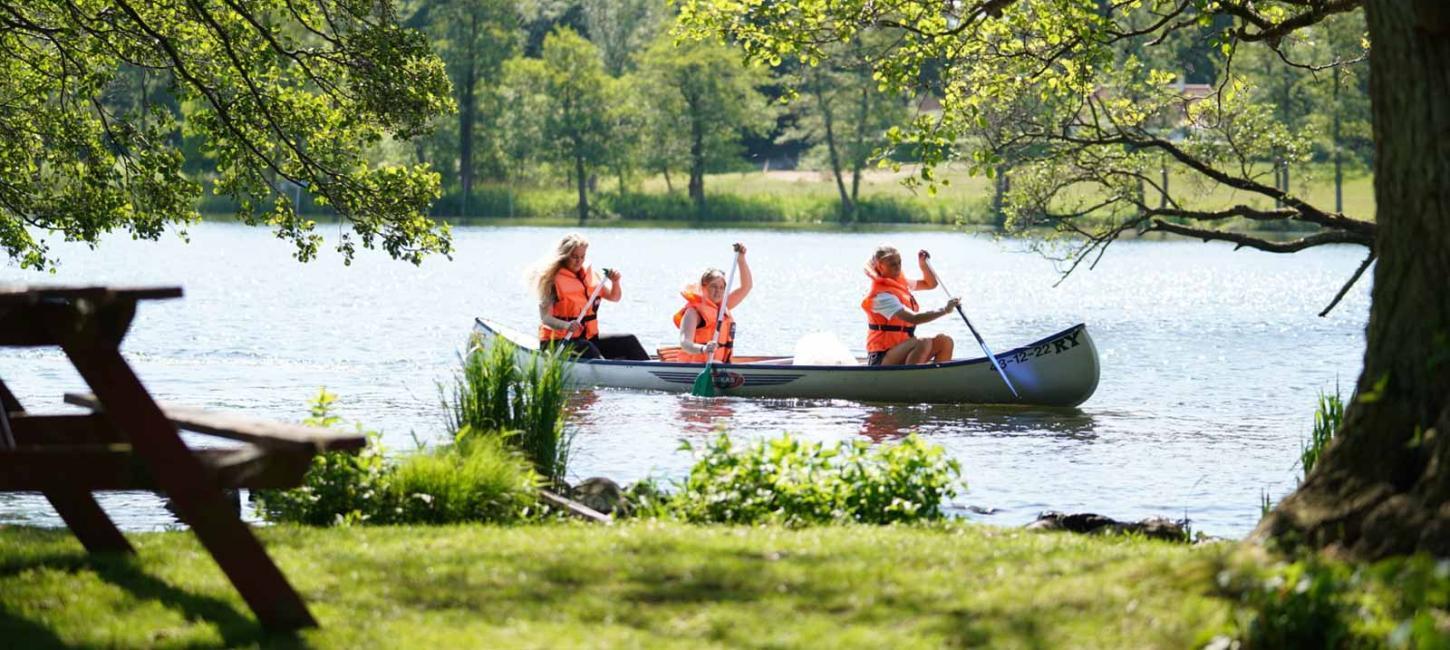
(892, 313)
(567, 315)
(698, 318)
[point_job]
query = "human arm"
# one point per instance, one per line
(889, 306)
(746, 283)
(928, 279)
(688, 324)
(548, 319)
(613, 293)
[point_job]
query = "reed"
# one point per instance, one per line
(1328, 416)
(494, 395)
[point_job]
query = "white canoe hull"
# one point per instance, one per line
(1060, 370)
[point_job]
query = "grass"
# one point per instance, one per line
(654, 585)
(808, 200)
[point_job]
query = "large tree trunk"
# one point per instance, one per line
(1383, 486)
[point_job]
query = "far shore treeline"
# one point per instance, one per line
(599, 109)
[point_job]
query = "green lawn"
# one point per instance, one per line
(635, 585)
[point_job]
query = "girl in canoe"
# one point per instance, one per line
(569, 294)
(892, 313)
(697, 319)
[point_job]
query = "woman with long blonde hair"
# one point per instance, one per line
(569, 294)
(892, 313)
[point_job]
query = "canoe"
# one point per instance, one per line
(1059, 370)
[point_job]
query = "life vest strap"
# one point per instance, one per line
(892, 328)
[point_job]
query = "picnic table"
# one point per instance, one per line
(127, 441)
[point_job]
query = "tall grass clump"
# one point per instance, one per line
(494, 395)
(477, 479)
(1328, 416)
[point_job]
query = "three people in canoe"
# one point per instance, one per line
(570, 292)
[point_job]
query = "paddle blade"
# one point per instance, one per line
(704, 385)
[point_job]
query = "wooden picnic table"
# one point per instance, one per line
(128, 442)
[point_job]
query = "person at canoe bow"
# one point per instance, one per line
(698, 318)
(892, 313)
(568, 317)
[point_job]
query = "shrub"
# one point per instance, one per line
(493, 395)
(475, 480)
(790, 481)
(339, 487)
(1313, 602)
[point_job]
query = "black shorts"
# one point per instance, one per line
(875, 358)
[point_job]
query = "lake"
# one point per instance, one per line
(1211, 359)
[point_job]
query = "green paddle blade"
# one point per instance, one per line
(704, 385)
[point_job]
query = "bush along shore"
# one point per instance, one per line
(773, 543)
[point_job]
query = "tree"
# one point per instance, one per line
(703, 93)
(1383, 487)
(621, 29)
(844, 111)
(281, 91)
(474, 38)
(575, 117)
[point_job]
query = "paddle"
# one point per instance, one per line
(577, 322)
(980, 342)
(704, 385)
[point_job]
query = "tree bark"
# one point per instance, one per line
(1338, 158)
(832, 151)
(697, 155)
(467, 114)
(1383, 486)
(583, 184)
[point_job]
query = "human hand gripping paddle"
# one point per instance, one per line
(704, 385)
(985, 349)
(579, 322)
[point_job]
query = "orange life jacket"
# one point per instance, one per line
(571, 291)
(884, 333)
(705, 331)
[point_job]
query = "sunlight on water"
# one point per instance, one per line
(1211, 359)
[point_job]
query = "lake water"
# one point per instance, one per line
(1211, 359)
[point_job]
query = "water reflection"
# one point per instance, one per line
(704, 415)
(889, 422)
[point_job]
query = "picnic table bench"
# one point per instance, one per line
(130, 442)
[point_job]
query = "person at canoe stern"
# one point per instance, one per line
(892, 313)
(567, 316)
(697, 318)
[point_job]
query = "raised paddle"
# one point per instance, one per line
(577, 322)
(704, 385)
(980, 342)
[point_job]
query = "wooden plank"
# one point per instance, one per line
(33, 293)
(574, 507)
(70, 429)
(76, 507)
(184, 479)
(67, 469)
(80, 512)
(266, 433)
